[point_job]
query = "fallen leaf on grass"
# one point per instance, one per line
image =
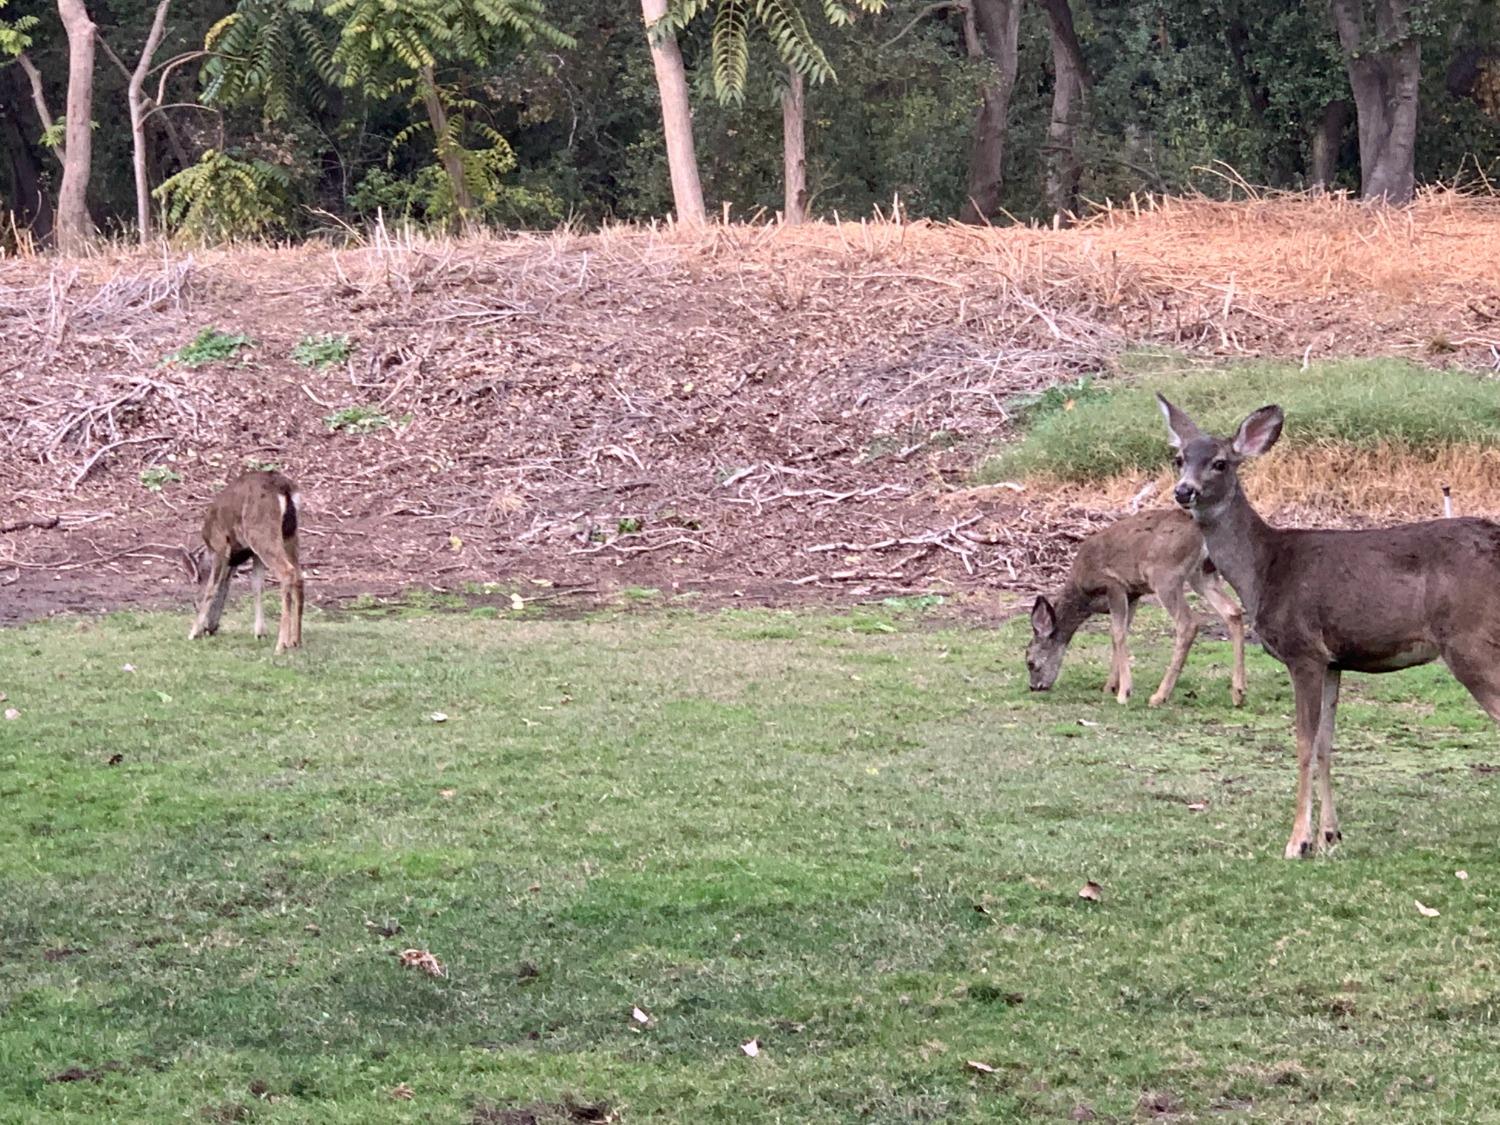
(422, 959)
(1461, 874)
(639, 1016)
(313, 928)
(1198, 806)
(1091, 891)
(517, 602)
(1087, 723)
(127, 667)
(983, 1068)
(115, 759)
(402, 1092)
(1426, 911)
(751, 1048)
(12, 714)
(438, 717)
(447, 794)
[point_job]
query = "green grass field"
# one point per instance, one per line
(856, 839)
(1095, 430)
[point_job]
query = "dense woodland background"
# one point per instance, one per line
(281, 117)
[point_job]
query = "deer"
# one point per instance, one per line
(1157, 552)
(1326, 601)
(254, 518)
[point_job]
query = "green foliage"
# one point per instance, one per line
(357, 420)
(157, 477)
(1362, 403)
(223, 197)
(784, 25)
(13, 34)
(210, 346)
(321, 351)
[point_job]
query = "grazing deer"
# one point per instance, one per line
(254, 518)
(1157, 553)
(1325, 602)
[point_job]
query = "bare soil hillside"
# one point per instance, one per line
(773, 414)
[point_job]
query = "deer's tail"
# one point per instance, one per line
(290, 501)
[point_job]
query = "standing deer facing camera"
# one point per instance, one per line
(1326, 602)
(255, 519)
(1157, 553)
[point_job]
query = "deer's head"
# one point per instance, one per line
(1045, 652)
(1208, 467)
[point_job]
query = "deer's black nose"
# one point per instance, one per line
(1185, 494)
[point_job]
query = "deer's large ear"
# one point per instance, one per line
(1043, 617)
(1180, 428)
(1258, 432)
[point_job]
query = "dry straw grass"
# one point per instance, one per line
(1326, 483)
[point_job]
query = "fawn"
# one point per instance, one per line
(254, 518)
(1158, 552)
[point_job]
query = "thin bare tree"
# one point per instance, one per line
(74, 227)
(676, 114)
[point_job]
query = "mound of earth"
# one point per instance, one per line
(776, 414)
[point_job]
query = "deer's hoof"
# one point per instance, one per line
(1156, 701)
(1298, 849)
(1332, 837)
(1237, 698)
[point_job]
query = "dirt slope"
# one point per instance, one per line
(777, 414)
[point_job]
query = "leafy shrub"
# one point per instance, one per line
(222, 198)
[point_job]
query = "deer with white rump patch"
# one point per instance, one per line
(254, 519)
(1159, 553)
(1325, 602)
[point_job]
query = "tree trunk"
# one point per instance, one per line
(136, 99)
(32, 205)
(1384, 72)
(73, 224)
(1327, 139)
(794, 146)
(1069, 80)
(998, 23)
(676, 117)
(447, 147)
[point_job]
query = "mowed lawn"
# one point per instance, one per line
(857, 840)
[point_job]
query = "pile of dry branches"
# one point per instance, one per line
(758, 409)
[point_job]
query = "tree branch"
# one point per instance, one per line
(39, 99)
(930, 10)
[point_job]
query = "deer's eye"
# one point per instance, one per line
(1220, 465)
(1177, 460)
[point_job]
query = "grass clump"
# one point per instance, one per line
(357, 420)
(156, 477)
(321, 351)
(1364, 404)
(210, 346)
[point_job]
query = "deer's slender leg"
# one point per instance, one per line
(258, 585)
(1307, 686)
(1169, 591)
(1475, 666)
(1120, 612)
(1211, 589)
(211, 603)
(1328, 819)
